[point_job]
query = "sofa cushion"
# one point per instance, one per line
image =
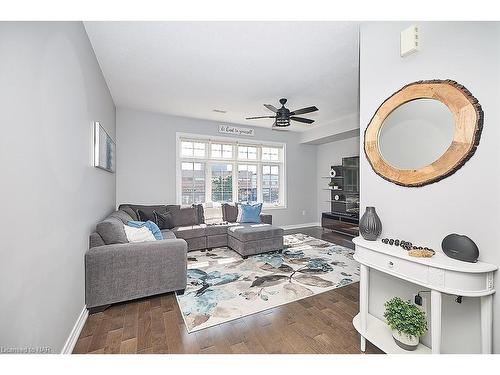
(147, 209)
(129, 211)
(111, 231)
(95, 240)
(168, 234)
(190, 231)
(172, 207)
(184, 216)
(164, 220)
(214, 230)
(121, 215)
(253, 232)
(230, 212)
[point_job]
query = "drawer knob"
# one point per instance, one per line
(390, 264)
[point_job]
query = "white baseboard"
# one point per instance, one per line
(75, 332)
(298, 226)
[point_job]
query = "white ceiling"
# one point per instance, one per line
(190, 68)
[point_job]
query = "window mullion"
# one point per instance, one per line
(235, 181)
(208, 182)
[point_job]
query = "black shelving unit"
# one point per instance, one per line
(344, 213)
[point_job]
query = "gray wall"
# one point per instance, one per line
(329, 154)
(146, 167)
(470, 54)
(51, 90)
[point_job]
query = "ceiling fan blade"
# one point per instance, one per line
(302, 119)
(253, 118)
(271, 107)
(304, 110)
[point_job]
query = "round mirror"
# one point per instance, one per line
(416, 134)
(424, 132)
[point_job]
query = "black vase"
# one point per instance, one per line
(370, 225)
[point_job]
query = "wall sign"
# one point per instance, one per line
(228, 129)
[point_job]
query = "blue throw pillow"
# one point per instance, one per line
(148, 224)
(250, 213)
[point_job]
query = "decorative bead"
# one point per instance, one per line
(396, 242)
(391, 242)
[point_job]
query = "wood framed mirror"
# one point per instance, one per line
(424, 132)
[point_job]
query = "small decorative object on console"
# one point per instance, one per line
(333, 172)
(414, 251)
(421, 253)
(370, 225)
(460, 247)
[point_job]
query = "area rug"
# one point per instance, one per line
(222, 286)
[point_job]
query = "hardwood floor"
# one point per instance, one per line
(318, 324)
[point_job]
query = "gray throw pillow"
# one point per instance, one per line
(121, 215)
(128, 210)
(184, 216)
(164, 220)
(230, 212)
(111, 231)
(200, 213)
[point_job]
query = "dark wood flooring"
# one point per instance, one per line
(318, 324)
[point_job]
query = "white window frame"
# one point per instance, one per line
(235, 161)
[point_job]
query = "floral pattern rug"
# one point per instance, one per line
(222, 286)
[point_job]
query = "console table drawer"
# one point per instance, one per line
(393, 265)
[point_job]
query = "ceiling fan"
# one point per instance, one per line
(283, 115)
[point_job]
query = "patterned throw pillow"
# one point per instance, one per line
(148, 224)
(141, 234)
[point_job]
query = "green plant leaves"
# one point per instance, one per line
(405, 317)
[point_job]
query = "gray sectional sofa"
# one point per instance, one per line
(117, 271)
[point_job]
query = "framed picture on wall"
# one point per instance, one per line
(104, 149)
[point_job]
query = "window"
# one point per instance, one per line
(270, 154)
(222, 182)
(221, 151)
(228, 171)
(247, 183)
(193, 149)
(270, 184)
(193, 182)
(247, 153)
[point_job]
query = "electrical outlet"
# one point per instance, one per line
(420, 302)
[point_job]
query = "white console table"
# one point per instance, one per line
(440, 274)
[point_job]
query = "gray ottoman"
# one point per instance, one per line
(251, 239)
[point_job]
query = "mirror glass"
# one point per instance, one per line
(416, 134)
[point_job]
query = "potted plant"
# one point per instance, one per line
(406, 321)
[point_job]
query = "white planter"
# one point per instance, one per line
(405, 341)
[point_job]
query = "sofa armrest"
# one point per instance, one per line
(266, 219)
(121, 272)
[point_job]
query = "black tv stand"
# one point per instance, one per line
(341, 222)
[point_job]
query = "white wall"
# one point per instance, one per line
(466, 202)
(51, 90)
(146, 144)
(329, 154)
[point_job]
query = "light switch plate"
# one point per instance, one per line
(409, 40)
